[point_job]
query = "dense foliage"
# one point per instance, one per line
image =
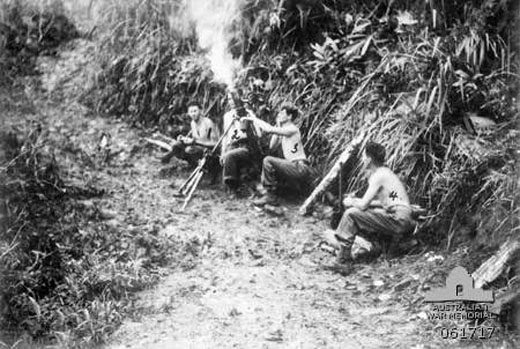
(62, 270)
(28, 30)
(416, 70)
(408, 74)
(65, 272)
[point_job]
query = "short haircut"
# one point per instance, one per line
(376, 152)
(194, 104)
(291, 110)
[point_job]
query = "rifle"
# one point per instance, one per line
(161, 141)
(188, 187)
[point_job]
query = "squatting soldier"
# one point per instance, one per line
(383, 210)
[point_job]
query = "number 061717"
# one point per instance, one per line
(478, 332)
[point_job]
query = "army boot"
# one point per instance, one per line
(343, 264)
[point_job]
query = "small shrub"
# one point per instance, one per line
(28, 30)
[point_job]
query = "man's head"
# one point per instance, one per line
(194, 111)
(374, 154)
(287, 113)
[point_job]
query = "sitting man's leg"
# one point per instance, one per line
(369, 223)
(232, 161)
(177, 151)
(192, 154)
(275, 169)
(330, 238)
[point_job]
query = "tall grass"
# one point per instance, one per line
(64, 274)
(448, 169)
(150, 65)
(344, 64)
(392, 70)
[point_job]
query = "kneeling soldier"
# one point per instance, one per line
(294, 166)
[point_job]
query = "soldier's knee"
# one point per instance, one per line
(268, 161)
(352, 211)
(190, 150)
(329, 235)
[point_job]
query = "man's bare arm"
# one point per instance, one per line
(367, 200)
(274, 142)
(350, 202)
(205, 143)
(277, 130)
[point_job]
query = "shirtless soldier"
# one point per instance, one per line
(204, 134)
(384, 209)
(294, 165)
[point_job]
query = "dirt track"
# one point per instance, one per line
(257, 280)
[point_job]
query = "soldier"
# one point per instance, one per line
(383, 210)
(293, 167)
(204, 134)
(236, 146)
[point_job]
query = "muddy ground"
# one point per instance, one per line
(256, 279)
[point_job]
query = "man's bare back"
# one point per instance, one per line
(391, 189)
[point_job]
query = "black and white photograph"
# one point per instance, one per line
(259, 174)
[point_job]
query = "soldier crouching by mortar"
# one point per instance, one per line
(294, 167)
(237, 146)
(204, 134)
(384, 210)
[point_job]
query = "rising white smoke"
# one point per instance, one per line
(213, 20)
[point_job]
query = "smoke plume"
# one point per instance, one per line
(213, 20)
